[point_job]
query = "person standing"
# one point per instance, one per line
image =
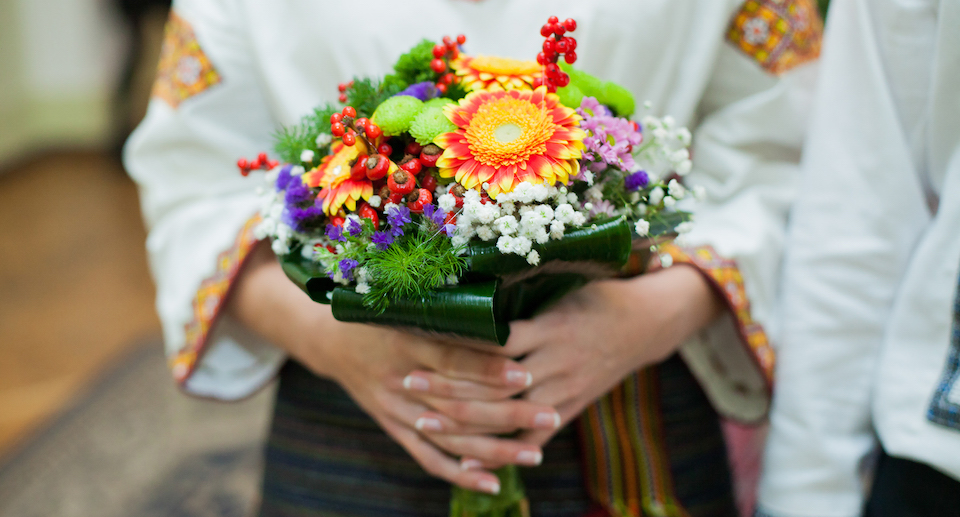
(866, 416)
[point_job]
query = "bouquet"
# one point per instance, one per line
(461, 192)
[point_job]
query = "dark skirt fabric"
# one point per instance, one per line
(904, 488)
(326, 457)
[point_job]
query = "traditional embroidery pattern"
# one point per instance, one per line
(209, 300)
(778, 34)
(945, 407)
(184, 70)
(726, 278)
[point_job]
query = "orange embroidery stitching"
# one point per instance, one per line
(209, 300)
(778, 34)
(184, 70)
(726, 276)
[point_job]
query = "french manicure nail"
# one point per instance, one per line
(530, 457)
(470, 464)
(428, 424)
(519, 378)
(414, 383)
(547, 420)
(491, 487)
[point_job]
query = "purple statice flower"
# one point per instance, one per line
(297, 193)
(423, 91)
(636, 181)
(299, 218)
(335, 233)
(284, 177)
(383, 240)
(610, 140)
(347, 266)
(354, 227)
(397, 216)
(435, 214)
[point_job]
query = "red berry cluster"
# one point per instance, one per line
(262, 162)
(442, 55)
(410, 184)
(343, 87)
(348, 127)
(556, 44)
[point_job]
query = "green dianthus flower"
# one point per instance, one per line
(395, 114)
(430, 123)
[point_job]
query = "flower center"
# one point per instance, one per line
(507, 131)
(504, 66)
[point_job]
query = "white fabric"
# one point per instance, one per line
(872, 263)
(280, 59)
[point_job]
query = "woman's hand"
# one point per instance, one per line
(591, 340)
(373, 365)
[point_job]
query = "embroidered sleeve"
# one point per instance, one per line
(209, 300)
(726, 279)
(779, 34)
(184, 70)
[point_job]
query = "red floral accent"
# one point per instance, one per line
(726, 279)
(211, 295)
(184, 70)
(778, 34)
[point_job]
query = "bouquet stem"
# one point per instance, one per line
(510, 502)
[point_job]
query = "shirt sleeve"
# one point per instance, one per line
(857, 219)
(746, 153)
(207, 111)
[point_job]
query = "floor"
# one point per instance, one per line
(75, 292)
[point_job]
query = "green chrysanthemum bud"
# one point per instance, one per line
(395, 114)
(618, 98)
(430, 123)
(570, 96)
(439, 102)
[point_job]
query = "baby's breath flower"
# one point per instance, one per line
(642, 227)
(307, 156)
(533, 258)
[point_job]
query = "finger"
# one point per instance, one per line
(525, 337)
(462, 363)
(431, 383)
(431, 422)
(505, 414)
(489, 449)
(438, 464)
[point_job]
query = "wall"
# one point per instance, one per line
(60, 60)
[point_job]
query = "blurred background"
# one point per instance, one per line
(90, 422)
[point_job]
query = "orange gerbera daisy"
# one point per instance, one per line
(333, 177)
(495, 73)
(505, 138)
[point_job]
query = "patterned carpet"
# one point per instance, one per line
(133, 446)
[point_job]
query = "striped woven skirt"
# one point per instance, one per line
(326, 457)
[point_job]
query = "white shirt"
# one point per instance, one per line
(872, 261)
(280, 59)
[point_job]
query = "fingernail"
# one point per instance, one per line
(547, 420)
(491, 487)
(412, 382)
(530, 457)
(470, 464)
(520, 378)
(428, 424)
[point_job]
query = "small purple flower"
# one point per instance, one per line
(383, 240)
(354, 227)
(335, 233)
(297, 192)
(284, 177)
(636, 181)
(423, 91)
(397, 216)
(300, 218)
(434, 214)
(450, 229)
(347, 266)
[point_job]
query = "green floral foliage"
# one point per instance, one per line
(291, 141)
(395, 114)
(430, 123)
(414, 66)
(367, 94)
(414, 266)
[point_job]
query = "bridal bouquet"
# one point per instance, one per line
(461, 192)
